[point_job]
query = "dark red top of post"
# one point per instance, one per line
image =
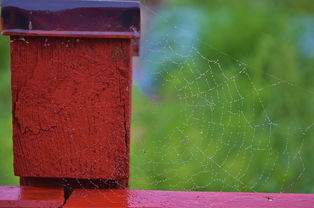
(71, 18)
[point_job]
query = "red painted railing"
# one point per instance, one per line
(71, 90)
(81, 198)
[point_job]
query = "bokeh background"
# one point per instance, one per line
(223, 97)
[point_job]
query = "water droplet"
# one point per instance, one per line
(132, 28)
(30, 25)
(23, 39)
(269, 198)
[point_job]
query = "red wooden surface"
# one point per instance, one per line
(167, 199)
(13, 196)
(71, 107)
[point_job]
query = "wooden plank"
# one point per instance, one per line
(168, 199)
(71, 107)
(15, 196)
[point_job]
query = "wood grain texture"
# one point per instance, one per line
(15, 196)
(71, 107)
(168, 199)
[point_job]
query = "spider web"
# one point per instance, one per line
(204, 122)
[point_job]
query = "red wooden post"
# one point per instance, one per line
(71, 84)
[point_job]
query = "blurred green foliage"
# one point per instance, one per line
(6, 154)
(257, 135)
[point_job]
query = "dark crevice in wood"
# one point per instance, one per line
(124, 108)
(67, 193)
(15, 119)
(125, 128)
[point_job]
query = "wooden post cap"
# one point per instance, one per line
(75, 18)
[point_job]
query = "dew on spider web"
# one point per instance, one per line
(201, 121)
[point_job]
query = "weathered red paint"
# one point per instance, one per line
(168, 199)
(14, 196)
(71, 107)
